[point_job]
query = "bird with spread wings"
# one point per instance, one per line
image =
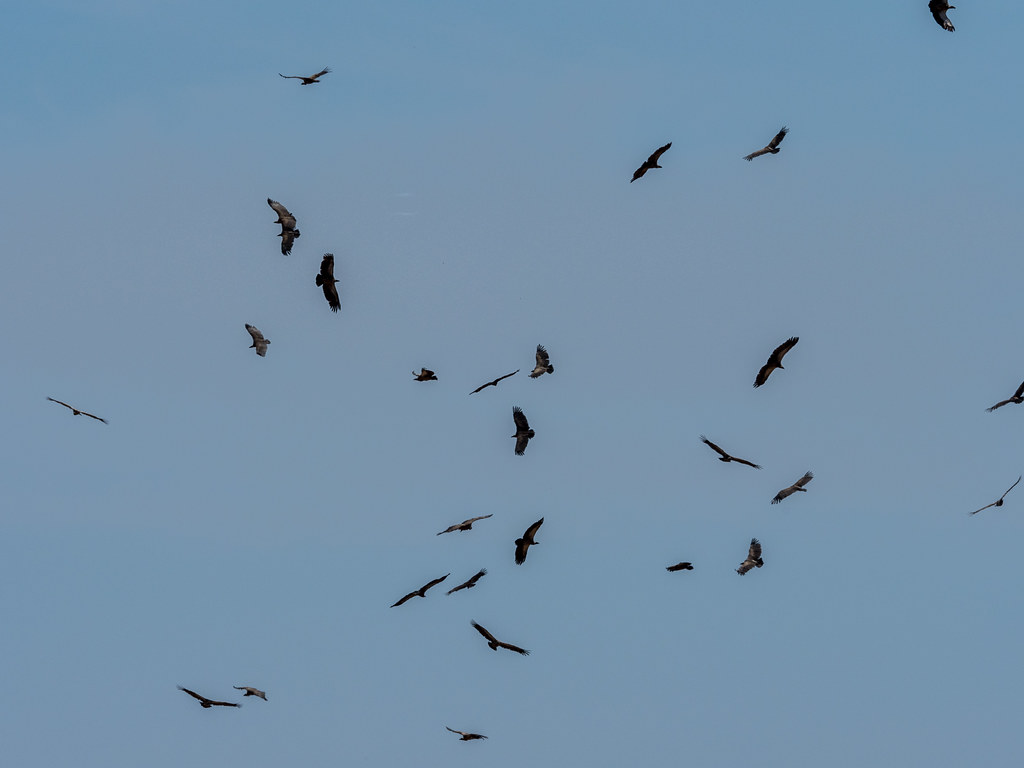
(772, 147)
(543, 363)
(207, 703)
(465, 525)
(999, 502)
(523, 431)
(327, 281)
(422, 591)
(250, 691)
(797, 486)
(76, 411)
(495, 643)
(523, 545)
(1018, 398)
(725, 456)
(753, 558)
(425, 374)
(938, 9)
(495, 382)
(307, 80)
(288, 223)
(259, 341)
(467, 736)
(775, 360)
(679, 567)
(650, 162)
(471, 582)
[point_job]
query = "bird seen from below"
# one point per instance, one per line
(308, 80)
(1018, 398)
(471, 582)
(424, 375)
(259, 341)
(495, 643)
(207, 703)
(523, 545)
(650, 162)
(250, 691)
(422, 591)
(775, 360)
(753, 558)
(543, 363)
(938, 9)
(797, 486)
(495, 382)
(288, 231)
(998, 503)
(523, 431)
(76, 411)
(680, 567)
(327, 281)
(725, 456)
(465, 525)
(773, 145)
(466, 736)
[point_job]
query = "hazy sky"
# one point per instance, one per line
(248, 521)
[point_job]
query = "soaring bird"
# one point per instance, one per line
(250, 691)
(997, 503)
(725, 456)
(207, 703)
(650, 162)
(938, 9)
(288, 231)
(753, 558)
(259, 341)
(680, 567)
(472, 581)
(775, 360)
(797, 486)
(465, 525)
(75, 411)
(424, 375)
(466, 736)
(543, 363)
(307, 80)
(422, 591)
(1018, 398)
(495, 643)
(495, 382)
(326, 279)
(523, 431)
(773, 145)
(523, 544)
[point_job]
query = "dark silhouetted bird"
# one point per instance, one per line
(523, 431)
(422, 591)
(775, 360)
(753, 558)
(250, 691)
(1018, 398)
(725, 456)
(543, 363)
(938, 9)
(495, 382)
(998, 503)
(307, 80)
(773, 145)
(207, 703)
(797, 486)
(287, 222)
(465, 525)
(259, 341)
(472, 581)
(680, 567)
(466, 736)
(523, 545)
(650, 162)
(327, 281)
(424, 375)
(75, 411)
(495, 643)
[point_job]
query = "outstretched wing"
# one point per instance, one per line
(193, 694)
(759, 152)
(543, 363)
(258, 340)
(774, 143)
(327, 281)
(292, 77)
(59, 402)
(808, 476)
(522, 425)
(411, 594)
(680, 567)
(983, 508)
(714, 447)
(322, 72)
(656, 155)
(515, 648)
(483, 631)
(284, 217)
(1010, 489)
(434, 583)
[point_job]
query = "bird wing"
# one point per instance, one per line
(483, 631)
(435, 582)
(411, 594)
(1000, 404)
(808, 476)
(285, 217)
(461, 733)
(331, 294)
(521, 442)
(91, 416)
(1020, 390)
(522, 425)
(1010, 489)
(983, 508)
(292, 77)
(759, 152)
(656, 155)
(522, 547)
(680, 567)
(938, 9)
(449, 529)
(782, 349)
(474, 519)
(778, 138)
(477, 576)
(532, 530)
(515, 648)
(755, 550)
(60, 402)
(495, 382)
(639, 172)
(714, 447)
(194, 695)
(748, 463)
(257, 337)
(543, 362)
(322, 72)
(213, 703)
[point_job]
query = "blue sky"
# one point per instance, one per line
(247, 521)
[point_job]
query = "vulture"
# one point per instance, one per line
(753, 558)
(523, 431)
(797, 486)
(422, 591)
(259, 341)
(472, 581)
(495, 643)
(650, 162)
(1018, 398)
(424, 374)
(466, 736)
(288, 231)
(205, 702)
(938, 9)
(327, 280)
(465, 525)
(998, 503)
(75, 411)
(307, 80)
(773, 145)
(725, 456)
(680, 567)
(523, 544)
(543, 363)
(775, 360)
(250, 691)
(495, 382)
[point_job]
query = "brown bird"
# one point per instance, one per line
(422, 591)
(773, 145)
(472, 581)
(680, 567)
(259, 342)
(465, 525)
(725, 456)
(307, 80)
(997, 503)
(775, 360)
(650, 162)
(326, 279)
(205, 702)
(543, 363)
(938, 9)
(466, 736)
(495, 382)
(523, 544)
(424, 375)
(495, 643)
(1018, 398)
(797, 486)
(753, 558)
(250, 691)
(75, 411)
(523, 431)
(288, 231)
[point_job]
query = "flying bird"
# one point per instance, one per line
(326, 279)
(797, 486)
(422, 591)
(680, 567)
(466, 736)
(523, 431)
(288, 231)
(75, 411)
(495, 643)
(938, 9)
(250, 691)
(465, 525)
(1018, 398)
(725, 456)
(773, 145)
(523, 544)
(495, 382)
(424, 375)
(753, 558)
(207, 703)
(259, 341)
(543, 363)
(775, 360)
(472, 581)
(650, 162)
(997, 503)
(307, 80)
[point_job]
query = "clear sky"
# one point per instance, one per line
(249, 521)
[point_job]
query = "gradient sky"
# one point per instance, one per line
(248, 521)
